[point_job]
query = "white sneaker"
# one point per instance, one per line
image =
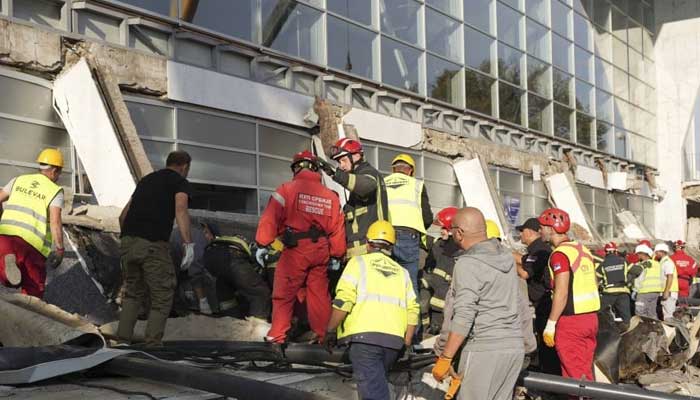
(12, 272)
(204, 306)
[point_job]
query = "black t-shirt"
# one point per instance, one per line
(152, 209)
(535, 264)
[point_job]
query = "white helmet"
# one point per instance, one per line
(644, 249)
(662, 247)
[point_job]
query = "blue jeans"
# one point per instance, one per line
(407, 252)
(370, 365)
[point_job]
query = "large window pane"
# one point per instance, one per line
(444, 80)
(621, 113)
(603, 44)
(358, 10)
(621, 84)
(537, 9)
(478, 49)
(509, 25)
(619, 25)
(292, 28)
(509, 61)
(157, 6)
(584, 97)
(538, 114)
(561, 84)
(538, 77)
(562, 122)
(26, 100)
(604, 110)
(620, 143)
(151, 120)
(634, 35)
(221, 166)
(478, 14)
(636, 64)
(537, 40)
(157, 152)
(215, 130)
(20, 141)
(620, 54)
(560, 53)
(400, 19)
(224, 198)
(236, 18)
(603, 75)
(400, 65)
(443, 35)
(603, 134)
(478, 92)
(43, 12)
(583, 64)
(350, 48)
(584, 126)
(582, 32)
(509, 102)
(280, 142)
(601, 14)
(274, 172)
(451, 7)
(437, 170)
(560, 18)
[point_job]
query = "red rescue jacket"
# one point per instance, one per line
(300, 204)
(686, 268)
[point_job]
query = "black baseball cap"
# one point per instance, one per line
(531, 223)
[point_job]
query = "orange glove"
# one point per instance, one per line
(548, 334)
(441, 368)
(454, 387)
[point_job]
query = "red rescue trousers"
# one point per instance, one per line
(30, 262)
(575, 342)
(305, 265)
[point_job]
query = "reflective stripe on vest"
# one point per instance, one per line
(26, 211)
(404, 198)
(584, 294)
(674, 283)
(363, 295)
(653, 280)
(618, 272)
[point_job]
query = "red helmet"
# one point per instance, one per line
(600, 252)
(345, 147)
(645, 242)
(610, 246)
(679, 243)
(557, 218)
(306, 157)
(444, 217)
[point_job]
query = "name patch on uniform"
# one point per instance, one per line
(314, 204)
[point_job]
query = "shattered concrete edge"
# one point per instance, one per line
(30, 49)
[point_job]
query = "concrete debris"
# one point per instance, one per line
(632, 228)
(330, 116)
(680, 381)
(691, 191)
(105, 219)
(29, 48)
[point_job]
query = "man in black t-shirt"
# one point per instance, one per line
(146, 223)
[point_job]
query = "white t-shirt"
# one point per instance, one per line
(668, 267)
(56, 202)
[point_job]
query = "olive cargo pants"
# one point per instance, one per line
(146, 266)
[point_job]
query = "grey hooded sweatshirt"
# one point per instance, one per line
(482, 303)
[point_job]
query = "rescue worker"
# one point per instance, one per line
(146, 223)
(687, 269)
(307, 216)
(374, 311)
(409, 213)
(534, 271)
(648, 283)
(201, 235)
(613, 283)
(481, 312)
(669, 295)
(572, 326)
(31, 225)
(439, 266)
(368, 200)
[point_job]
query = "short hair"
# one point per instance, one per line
(178, 158)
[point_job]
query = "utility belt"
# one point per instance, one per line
(291, 239)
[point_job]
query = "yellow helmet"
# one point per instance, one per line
(381, 231)
(405, 158)
(51, 157)
(492, 230)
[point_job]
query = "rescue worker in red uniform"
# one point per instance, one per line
(572, 326)
(687, 269)
(307, 216)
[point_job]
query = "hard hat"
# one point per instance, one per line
(51, 157)
(557, 218)
(444, 217)
(381, 231)
(404, 158)
(345, 147)
(492, 230)
(645, 242)
(306, 157)
(610, 246)
(679, 243)
(644, 249)
(662, 247)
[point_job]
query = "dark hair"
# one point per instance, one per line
(178, 158)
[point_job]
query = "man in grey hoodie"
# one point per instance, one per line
(481, 308)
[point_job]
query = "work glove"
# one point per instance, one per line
(261, 254)
(188, 256)
(441, 368)
(55, 258)
(325, 166)
(549, 331)
(334, 264)
(330, 341)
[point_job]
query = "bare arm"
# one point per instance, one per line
(667, 288)
(56, 226)
(122, 216)
(561, 293)
(4, 196)
(337, 316)
(454, 340)
(182, 216)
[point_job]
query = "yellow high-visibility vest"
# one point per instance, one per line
(674, 284)
(584, 290)
(404, 198)
(378, 295)
(653, 280)
(26, 212)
